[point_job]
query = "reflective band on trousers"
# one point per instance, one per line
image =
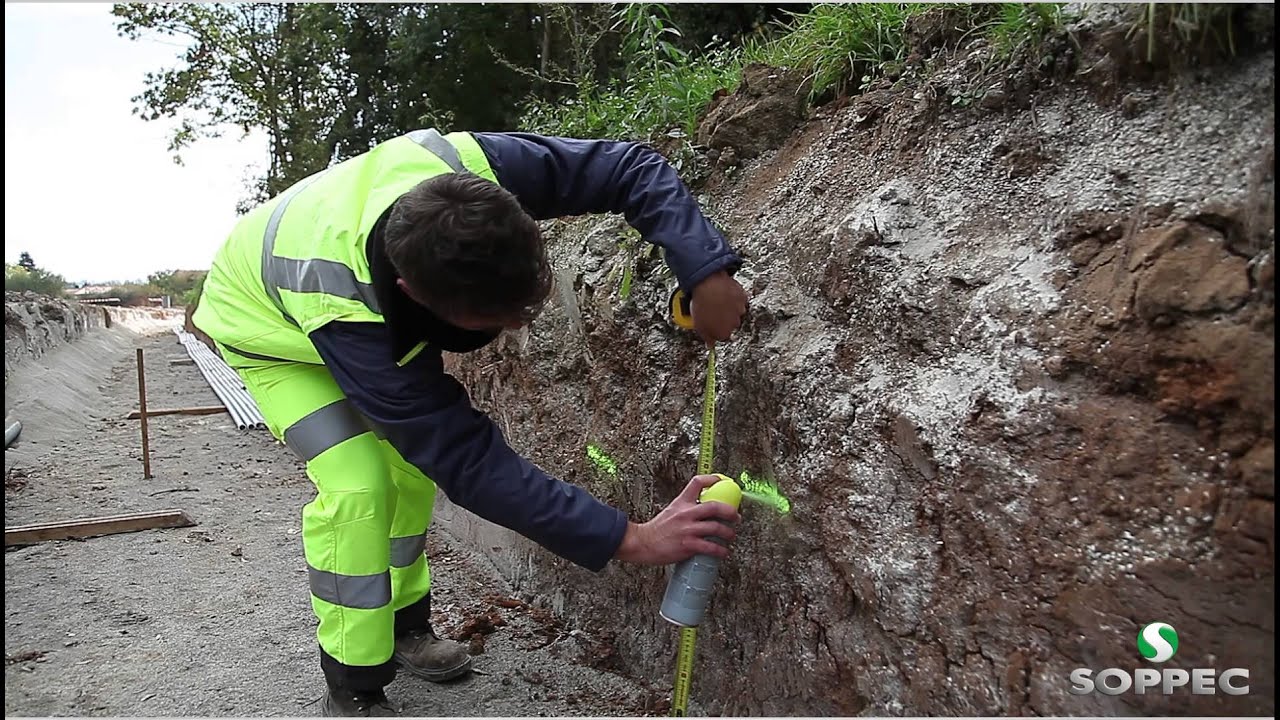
(332, 424)
(363, 592)
(328, 276)
(405, 551)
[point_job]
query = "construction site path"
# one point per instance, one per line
(215, 619)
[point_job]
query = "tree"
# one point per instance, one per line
(255, 66)
(21, 278)
(705, 23)
(176, 282)
(25, 261)
(575, 52)
(327, 81)
(417, 65)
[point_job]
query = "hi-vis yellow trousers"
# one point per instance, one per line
(364, 533)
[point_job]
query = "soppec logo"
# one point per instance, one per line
(1158, 642)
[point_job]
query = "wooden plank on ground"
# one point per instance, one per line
(181, 361)
(203, 410)
(93, 527)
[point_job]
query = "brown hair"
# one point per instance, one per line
(465, 246)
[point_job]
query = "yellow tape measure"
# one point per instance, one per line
(706, 455)
(681, 315)
(706, 448)
(684, 672)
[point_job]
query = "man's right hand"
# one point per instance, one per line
(680, 530)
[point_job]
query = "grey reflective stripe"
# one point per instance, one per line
(405, 551)
(443, 149)
(332, 424)
(374, 428)
(252, 355)
(319, 276)
(269, 242)
(363, 592)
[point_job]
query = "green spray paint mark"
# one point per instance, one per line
(602, 462)
(630, 244)
(625, 291)
(764, 492)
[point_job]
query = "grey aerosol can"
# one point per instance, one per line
(689, 589)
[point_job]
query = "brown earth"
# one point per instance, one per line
(35, 324)
(1010, 356)
(764, 111)
(1012, 360)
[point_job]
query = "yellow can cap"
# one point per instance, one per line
(725, 491)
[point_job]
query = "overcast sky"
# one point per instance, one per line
(90, 190)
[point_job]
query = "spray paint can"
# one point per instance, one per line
(689, 589)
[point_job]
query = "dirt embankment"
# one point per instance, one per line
(52, 347)
(35, 324)
(1011, 360)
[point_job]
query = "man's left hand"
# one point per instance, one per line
(718, 306)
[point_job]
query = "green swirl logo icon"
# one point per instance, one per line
(1157, 641)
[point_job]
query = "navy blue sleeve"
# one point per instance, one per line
(558, 177)
(428, 417)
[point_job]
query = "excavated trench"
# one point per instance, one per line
(1012, 364)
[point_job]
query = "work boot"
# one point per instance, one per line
(347, 703)
(427, 656)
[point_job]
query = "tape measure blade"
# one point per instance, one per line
(706, 449)
(684, 672)
(706, 461)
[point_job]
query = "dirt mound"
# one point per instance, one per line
(1012, 363)
(35, 324)
(146, 321)
(759, 116)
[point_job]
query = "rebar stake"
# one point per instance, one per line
(142, 415)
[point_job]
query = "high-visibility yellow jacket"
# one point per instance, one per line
(297, 262)
(305, 278)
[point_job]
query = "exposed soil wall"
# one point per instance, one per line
(1012, 362)
(35, 324)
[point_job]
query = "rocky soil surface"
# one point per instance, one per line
(1011, 356)
(34, 324)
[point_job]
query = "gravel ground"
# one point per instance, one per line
(215, 619)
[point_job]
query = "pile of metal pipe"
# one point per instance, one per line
(12, 428)
(224, 381)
